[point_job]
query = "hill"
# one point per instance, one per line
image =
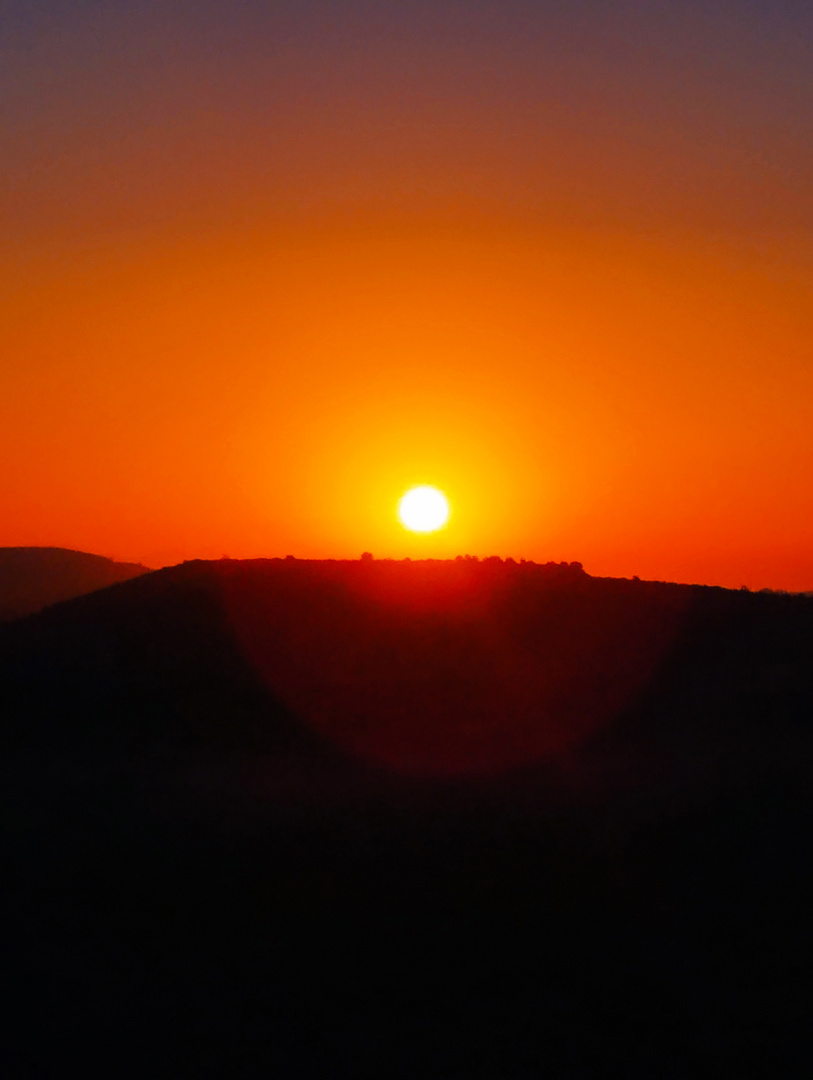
(426, 668)
(32, 578)
(437, 819)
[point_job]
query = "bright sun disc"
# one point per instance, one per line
(423, 509)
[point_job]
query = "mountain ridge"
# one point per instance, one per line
(32, 578)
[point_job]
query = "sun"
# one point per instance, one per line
(423, 509)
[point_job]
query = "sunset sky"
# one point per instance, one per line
(265, 265)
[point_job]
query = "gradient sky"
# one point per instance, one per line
(264, 265)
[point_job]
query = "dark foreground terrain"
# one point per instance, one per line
(398, 820)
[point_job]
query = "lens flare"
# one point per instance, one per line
(423, 509)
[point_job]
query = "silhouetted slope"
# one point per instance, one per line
(632, 901)
(427, 668)
(31, 578)
(151, 663)
(734, 691)
(448, 667)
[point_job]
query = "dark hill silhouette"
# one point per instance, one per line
(423, 667)
(468, 819)
(426, 668)
(32, 578)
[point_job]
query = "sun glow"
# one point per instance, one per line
(423, 509)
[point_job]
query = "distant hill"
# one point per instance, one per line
(454, 820)
(32, 578)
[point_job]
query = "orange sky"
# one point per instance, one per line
(247, 331)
